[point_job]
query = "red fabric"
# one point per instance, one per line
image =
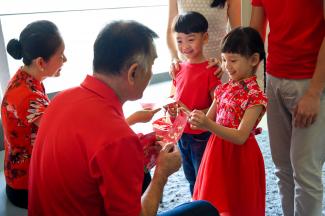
(297, 29)
(23, 103)
(232, 177)
(86, 159)
(193, 83)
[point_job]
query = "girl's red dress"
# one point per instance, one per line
(232, 177)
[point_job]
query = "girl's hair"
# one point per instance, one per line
(218, 3)
(191, 22)
(38, 39)
(244, 41)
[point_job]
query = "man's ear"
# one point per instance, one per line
(40, 63)
(255, 59)
(131, 73)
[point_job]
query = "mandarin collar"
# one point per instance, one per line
(243, 81)
(103, 90)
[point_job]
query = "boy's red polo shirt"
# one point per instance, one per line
(86, 159)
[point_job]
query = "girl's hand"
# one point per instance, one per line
(174, 67)
(215, 62)
(198, 120)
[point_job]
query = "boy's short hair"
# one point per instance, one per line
(191, 22)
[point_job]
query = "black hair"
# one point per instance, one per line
(244, 41)
(218, 3)
(120, 44)
(38, 39)
(191, 22)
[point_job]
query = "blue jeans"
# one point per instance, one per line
(195, 208)
(192, 147)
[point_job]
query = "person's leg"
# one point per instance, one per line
(195, 208)
(197, 149)
(185, 149)
(279, 125)
(17, 197)
(307, 158)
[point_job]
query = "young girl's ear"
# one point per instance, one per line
(255, 59)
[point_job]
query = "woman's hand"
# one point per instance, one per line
(215, 62)
(174, 67)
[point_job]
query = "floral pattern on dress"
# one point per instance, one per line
(23, 103)
(234, 97)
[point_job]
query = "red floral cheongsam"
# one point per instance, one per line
(23, 103)
(232, 177)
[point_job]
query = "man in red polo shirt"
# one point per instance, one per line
(295, 89)
(86, 159)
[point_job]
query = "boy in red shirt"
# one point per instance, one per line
(194, 84)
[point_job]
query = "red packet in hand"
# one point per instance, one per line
(150, 149)
(170, 131)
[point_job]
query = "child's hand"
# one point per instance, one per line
(198, 120)
(171, 109)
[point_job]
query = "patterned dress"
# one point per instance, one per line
(23, 103)
(217, 19)
(232, 177)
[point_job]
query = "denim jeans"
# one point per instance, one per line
(192, 147)
(195, 208)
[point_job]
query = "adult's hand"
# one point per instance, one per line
(215, 62)
(168, 162)
(142, 116)
(174, 67)
(306, 110)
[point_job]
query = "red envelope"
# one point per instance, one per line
(170, 131)
(150, 150)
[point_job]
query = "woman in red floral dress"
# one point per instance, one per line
(42, 49)
(232, 174)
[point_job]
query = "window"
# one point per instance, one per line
(79, 23)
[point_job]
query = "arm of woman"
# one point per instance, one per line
(172, 13)
(234, 13)
(236, 136)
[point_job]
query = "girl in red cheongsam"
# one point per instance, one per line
(232, 175)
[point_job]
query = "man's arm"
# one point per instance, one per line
(258, 20)
(308, 106)
(168, 162)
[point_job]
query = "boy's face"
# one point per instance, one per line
(191, 45)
